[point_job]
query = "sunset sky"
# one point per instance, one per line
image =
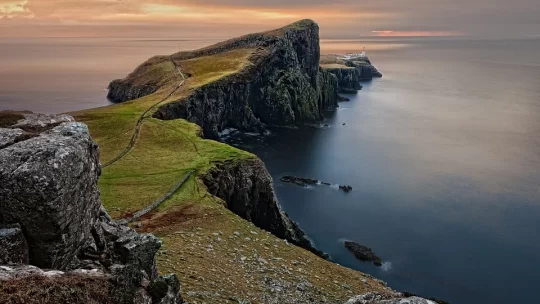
(215, 18)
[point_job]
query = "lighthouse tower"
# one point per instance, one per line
(363, 55)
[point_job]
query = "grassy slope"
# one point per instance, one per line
(187, 222)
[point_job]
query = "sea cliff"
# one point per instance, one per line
(282, 85)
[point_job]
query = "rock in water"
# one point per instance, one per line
(363, 253)
(49, 187)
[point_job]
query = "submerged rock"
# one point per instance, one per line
(363, 253)
(300, 181)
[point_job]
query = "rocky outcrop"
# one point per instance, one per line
(51, 216)
(348, 79)
(246, 187)
(49, 188)
(329, 93)
(363, 253)
(390, 298)
(365, 69)
(120, 91)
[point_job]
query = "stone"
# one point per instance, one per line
(49, 187)
(13, 246)
(345, 188)
(10, 136)
(37, 122)
(139, 250)
(363, 253)
(166, 290)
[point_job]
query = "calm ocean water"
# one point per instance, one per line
(443, 154)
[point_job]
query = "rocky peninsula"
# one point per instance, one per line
(221, 234)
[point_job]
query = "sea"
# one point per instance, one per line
(442, 153)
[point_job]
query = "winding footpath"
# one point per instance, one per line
(132, 142)
(157, 202)
(142, 117)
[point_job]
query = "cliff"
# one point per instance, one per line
(246, 187)
(281, 85)
(348, 78)
(349, 73)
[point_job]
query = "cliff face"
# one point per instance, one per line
(364, 68)
(348, 79)
(247, 189)
(282, 86)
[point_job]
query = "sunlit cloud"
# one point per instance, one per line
(15, 9)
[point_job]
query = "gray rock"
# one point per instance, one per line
(36, 122)
(10, 136)
(49, 187)
(139, 250)
(13, 246)
(166, 290)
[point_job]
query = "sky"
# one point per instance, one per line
(339, 19)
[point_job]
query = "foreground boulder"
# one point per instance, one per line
(51, 217)
(49, 188)
(363, 253)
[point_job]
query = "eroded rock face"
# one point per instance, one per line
(348, 79)
(49, 187)
(246, 187)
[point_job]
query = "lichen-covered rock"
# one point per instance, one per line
(13, 246)
(10, 136)
(37, 122)
(49, 187)
(246, 187)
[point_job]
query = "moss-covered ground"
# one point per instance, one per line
(214, 263)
